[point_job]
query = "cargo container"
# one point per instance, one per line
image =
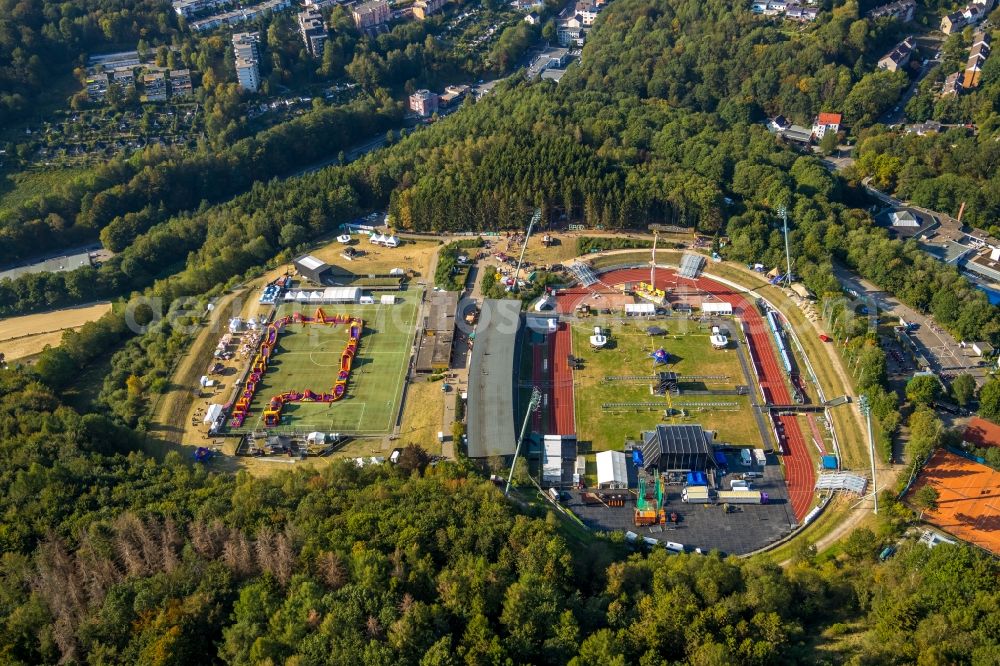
(696, 495)
(742, 497)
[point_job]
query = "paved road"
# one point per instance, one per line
(941, 350)
(898, 113)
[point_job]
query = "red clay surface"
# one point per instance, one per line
(968, 499)
(800, 477)
(561, 401)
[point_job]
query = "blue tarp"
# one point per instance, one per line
(637, 457)
(720, 459)
(992, 295)
(696, 479)
(829, 462)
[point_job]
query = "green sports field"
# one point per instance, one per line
(308, 357)
(628, 354)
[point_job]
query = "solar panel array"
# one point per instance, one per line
(842, 481)
(691, 265)
(583, 273)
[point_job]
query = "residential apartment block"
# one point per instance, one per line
(246, 47)
(313, 31)
(241, 15)
(371, 14)
(424, 102)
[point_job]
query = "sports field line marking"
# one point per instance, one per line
(361, 418)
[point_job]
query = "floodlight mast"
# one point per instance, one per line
(533, 405)
(866, 409)
(535, 219)
(783, 212)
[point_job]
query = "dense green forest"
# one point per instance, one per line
(112, 557)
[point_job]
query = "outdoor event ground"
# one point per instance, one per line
(800, 468)
(628, 353)
(28, 335)
(308, 357)
(707, 526)
(968, 499)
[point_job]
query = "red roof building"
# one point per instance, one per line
(982, 433)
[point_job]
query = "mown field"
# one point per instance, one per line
(628, 353)
(308, 357)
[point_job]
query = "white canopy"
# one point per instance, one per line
(598, 340)
(717, 308)
(612, 470)
(212, 414)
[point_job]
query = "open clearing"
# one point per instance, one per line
(415, 255)
(422, 415)
(30, 334)
(308, 357)
(691, 354)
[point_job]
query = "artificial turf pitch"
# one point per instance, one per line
(308, 357)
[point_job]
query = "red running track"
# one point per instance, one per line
(561, 400)
(800, 475)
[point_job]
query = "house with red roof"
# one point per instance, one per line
(826, 122)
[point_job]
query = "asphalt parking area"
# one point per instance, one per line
(706, 526)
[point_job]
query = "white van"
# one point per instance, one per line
(739, 484)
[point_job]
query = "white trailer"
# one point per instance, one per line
(696, 495)
(742, 497)
(759, 456)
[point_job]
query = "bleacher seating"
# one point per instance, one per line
(584, 273)
(691, 265)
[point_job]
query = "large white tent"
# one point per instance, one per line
(612, 470)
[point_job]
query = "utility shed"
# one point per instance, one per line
(612, 470)
(491, 380)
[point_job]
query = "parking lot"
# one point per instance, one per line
(745, 529)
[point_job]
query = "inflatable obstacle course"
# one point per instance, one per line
(272, 412)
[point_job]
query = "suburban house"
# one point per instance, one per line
(899, 56)
(826, 122)
(532, 18)
(971, 14)
(901, 11)
(977, 56)
(952, 84)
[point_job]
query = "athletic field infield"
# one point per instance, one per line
(307, 356)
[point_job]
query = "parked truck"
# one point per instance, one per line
(696, 495)
(742, 497)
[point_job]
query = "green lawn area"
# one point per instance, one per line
(308, 357)
(628, 354)
(18, 188)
